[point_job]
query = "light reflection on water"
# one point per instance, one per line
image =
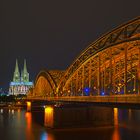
(21, 125)
(116, 123)
(28, 117)
(129, 114)
(44, 136)
(116, 135)
(13, 111)
(1, 111)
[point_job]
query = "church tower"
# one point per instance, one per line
(25, 74)
(20, 84)
(16, 77)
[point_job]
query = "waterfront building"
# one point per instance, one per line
(20, 83)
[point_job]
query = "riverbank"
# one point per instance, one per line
(11, 105)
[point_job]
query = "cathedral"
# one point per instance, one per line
(20, 83)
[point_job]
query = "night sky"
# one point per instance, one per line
(50, 34)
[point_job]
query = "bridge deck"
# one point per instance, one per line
(106, 99)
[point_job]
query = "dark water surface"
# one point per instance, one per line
(21, 125)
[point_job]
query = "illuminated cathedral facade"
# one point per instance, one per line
(20, 83)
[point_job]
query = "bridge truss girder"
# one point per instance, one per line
(114, 70)
(97, 65)
(110, 65)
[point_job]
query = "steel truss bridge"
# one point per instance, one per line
(108, 68)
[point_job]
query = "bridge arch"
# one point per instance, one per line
(44, 85)
(110, 65)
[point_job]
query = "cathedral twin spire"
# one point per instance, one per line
(20, 83)
(24, 74)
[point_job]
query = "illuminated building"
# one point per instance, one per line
(20, 83)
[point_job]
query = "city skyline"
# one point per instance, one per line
(50, 35)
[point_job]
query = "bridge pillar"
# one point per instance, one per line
(84, 116)
(89, 78)
(28, 106)
(49, 116)
(99, 75)
(139, 73)
(125, 70)
(83, 70)
(110, 73)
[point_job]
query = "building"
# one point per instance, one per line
(20, 83)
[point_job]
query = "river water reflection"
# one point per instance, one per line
(21, 125)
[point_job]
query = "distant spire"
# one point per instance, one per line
(25, 74)
(16, 67)
(25, 67)
(16, 77)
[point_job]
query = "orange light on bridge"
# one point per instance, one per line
(28, 106)
(49, 115)
(48, 109)
(18, 102)
(28, 103)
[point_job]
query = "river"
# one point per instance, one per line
(21, 125)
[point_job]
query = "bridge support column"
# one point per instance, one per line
(29, 106)
(131, 67)
(83, 83)
(139, 72)
(49, 116)
(99, 75)
(89, 78)
(76, 84)
(125, 70)
(110, 73)
(104, 81)
(60, 117)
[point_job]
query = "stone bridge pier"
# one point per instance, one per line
(67, 115)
